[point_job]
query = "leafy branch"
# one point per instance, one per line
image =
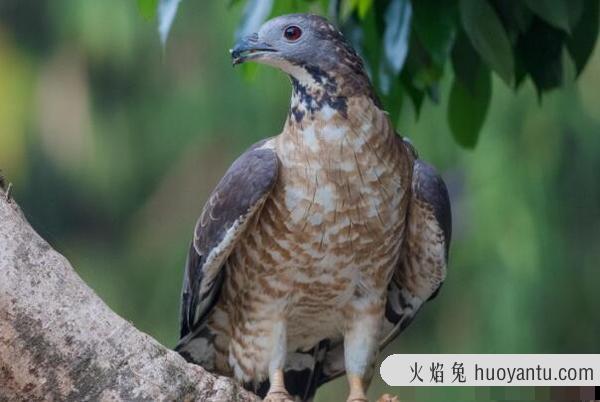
(408, 44)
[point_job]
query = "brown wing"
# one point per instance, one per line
(237, 198)
(422, 270)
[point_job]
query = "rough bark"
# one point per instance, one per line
(59, 341)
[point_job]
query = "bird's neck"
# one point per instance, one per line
(310, 99)
(324, 117)
(314, 89)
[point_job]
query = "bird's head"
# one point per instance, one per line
(307, 47)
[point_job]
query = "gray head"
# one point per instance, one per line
(307, 47)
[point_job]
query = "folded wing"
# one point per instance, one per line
(236, 200)
(422, 269)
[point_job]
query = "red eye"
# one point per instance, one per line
(292, 33)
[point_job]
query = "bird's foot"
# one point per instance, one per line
(388, 398)
(278, 396)
(357, 389)
(277, 391)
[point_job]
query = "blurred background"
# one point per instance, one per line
(113, 143)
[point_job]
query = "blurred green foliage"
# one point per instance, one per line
(548, 41)
(112, 145)
(147, 8)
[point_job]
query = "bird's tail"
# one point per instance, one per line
(303, 374)
(198, 347)
(305, 371)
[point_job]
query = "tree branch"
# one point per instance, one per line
(59, 341)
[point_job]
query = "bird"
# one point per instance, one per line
(319, 245)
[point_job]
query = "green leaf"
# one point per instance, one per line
(167, 9)
(470, 93)
(417, 96)
(147, 8)
(520, 73)
(363, 8)
(484, 29)
(583, 38)
(393, 101)
(541, 51)
(395, 40)
(466, 62)
(467, 109)
(555, 12)
(397, 33)
(434, 22)
(424, 72)
(515, 16)
(575, 13)
(421, 74)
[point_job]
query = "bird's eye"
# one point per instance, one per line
(292, 33)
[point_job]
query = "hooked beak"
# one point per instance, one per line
(249, 48)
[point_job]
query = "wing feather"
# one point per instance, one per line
(422, 270)
(237, 198)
